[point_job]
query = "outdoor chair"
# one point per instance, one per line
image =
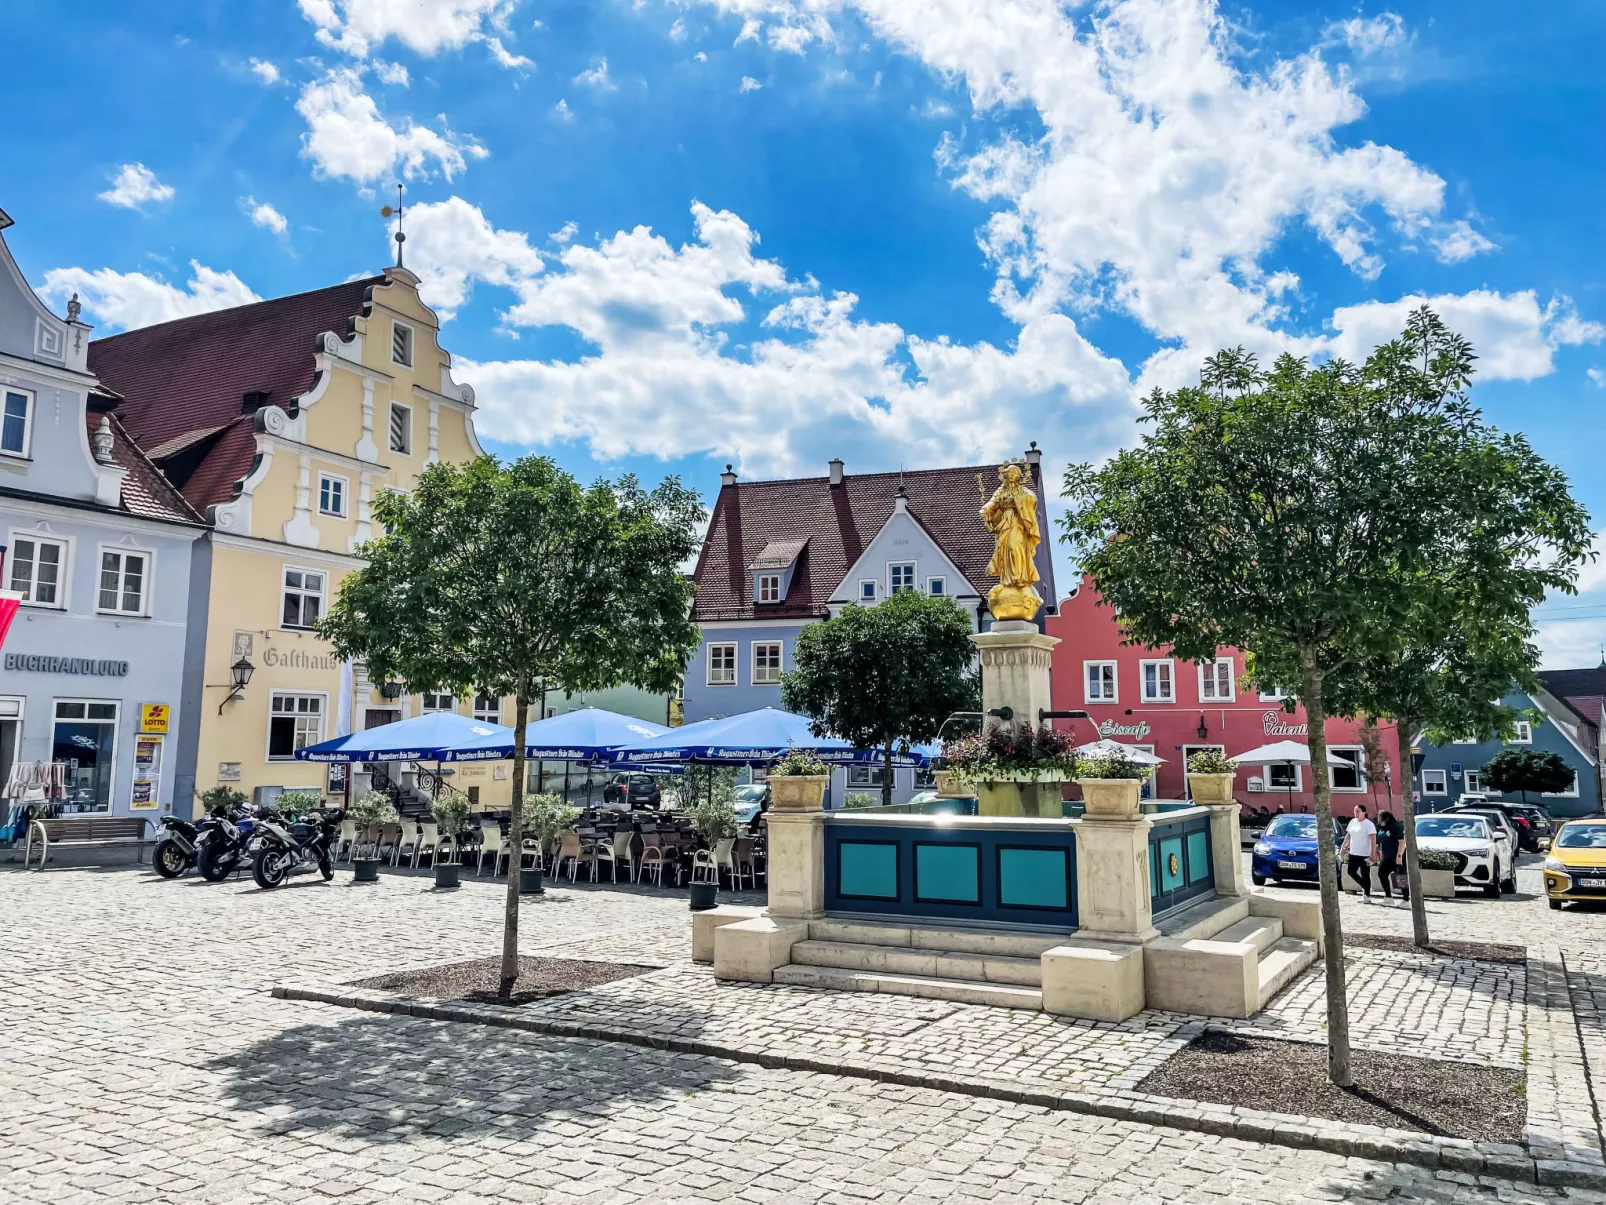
(568, 851)
(703, 868)
(347, 838)
(427, 837)
(389, 838)
(622, 841)
(601, 850)
(406, 841)
(491, 844)
(745, 862)
(652, 858)
(367, 842)
(723, 860)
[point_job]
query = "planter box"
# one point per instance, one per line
(530, 881)
(1211, 788)
(446, 874)
(949, 786)
(1012, 797)
(1438, 884)
(798, 792)
(1110, 798)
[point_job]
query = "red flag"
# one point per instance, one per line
(9, 603)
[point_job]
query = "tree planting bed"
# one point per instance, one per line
(477, 981)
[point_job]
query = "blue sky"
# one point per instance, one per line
(670, 235)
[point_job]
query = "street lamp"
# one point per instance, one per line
(1202, 729)
(240, 673)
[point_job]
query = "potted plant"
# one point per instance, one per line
(798, 782)
(1015, 771)
(714, 820)
(1211, 774)
(861, 799)
(453, 817)
(221, 801)
(1111, 784)
(1437, 868)
(545, 817)
(374, 808)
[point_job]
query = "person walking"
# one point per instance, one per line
(1390, 832)
(1360, 847)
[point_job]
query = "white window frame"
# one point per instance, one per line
(426, 706)
(1523, 733)
(1474, 781)
(267, 737)
(722, 645)
(1441, 779)
(1115, 682)
(345, 494)
(145, 600)
(1232, 681)
(769, 588)
(868, 777)
(1568, 794)
(484, 714)
(116, 723)
(390, 431)
(284, 589)
(1170, 677)
(1274, 696)
(937, 587)
(31, 408)
(1299, 777)
(780, 660)
(65, 568)
(900, 565)
(397, 326)
(1360, 770)
(873, 594)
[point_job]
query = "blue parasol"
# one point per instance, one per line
(584, 735)
(427, 737)
(753, 737)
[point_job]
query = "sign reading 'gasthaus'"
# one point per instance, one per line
(66, 665)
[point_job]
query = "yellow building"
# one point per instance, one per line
(281, 421)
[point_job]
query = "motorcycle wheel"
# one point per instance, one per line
(169, 860)
(326, 867)
(216, 869)
(268, 868)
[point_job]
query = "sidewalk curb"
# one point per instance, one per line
(1503, 1160)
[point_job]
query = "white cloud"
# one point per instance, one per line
(347, 136)
(751, 28)
(565, 234)
(677, 31)
(562, 112)
(596, 76)
(265, 71)
(1460, 241)
(504, 56)
(450, 245)
(749, 84)
(125, 300)
(425, 26)
(392, 73)
(701, 56)
(134, 185)
(1370, 35)
(1598, 377)
(264, 215)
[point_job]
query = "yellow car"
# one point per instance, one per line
(1575, 868)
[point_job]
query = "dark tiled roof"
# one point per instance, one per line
(183, 381)
(839, 524)
(1588, 706)
(145, 491)
(1565, 683)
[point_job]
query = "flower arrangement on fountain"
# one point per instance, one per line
(1010, 754)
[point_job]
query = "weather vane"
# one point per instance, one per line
(396, 212)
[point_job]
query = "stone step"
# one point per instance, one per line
(964, 991)
(997, 943)
(1204, 919)
(907, 960)
(1260, 931)
(1279, 964)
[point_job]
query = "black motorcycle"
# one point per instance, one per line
(174, 852)
(281, 847)
(220, 849)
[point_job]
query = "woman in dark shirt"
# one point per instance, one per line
(1389, 835)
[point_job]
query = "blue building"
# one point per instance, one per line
(783, 554)
(102, 667)
(1453, 770)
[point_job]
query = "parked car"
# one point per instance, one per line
(1287, 849)
(1481, 855)
(1575, 868)
(1534, 828)
(632, 790)
(752, 801)
(1503, 827)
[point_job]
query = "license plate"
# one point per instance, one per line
(1291, 866)
(1592, 882)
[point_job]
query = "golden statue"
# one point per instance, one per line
(1011, 515)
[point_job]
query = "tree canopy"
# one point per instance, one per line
(886, 676)
(1522, 770)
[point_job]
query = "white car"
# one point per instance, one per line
(1500, 825)
(1482, 860)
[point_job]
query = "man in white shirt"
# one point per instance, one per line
(1360, 843)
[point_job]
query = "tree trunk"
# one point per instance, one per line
(1403, 728)
(886, 776)
(540, 766)
(1338, 1064)
(515, 853)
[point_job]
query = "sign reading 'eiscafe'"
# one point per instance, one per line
(66, 665)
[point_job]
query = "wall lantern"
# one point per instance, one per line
(391, 690)
(240, 674)
(1203, 730)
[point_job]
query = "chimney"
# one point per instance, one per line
(1034, 455)
(728, 477)
(900, 502)
(836, 471)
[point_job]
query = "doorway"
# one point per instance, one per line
(378, 717)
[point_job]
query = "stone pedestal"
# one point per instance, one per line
(1226, 849)
(1037, 799)
(1015, 658)
(1112, 880)
(796, 867)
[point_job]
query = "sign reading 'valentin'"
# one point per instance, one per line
(1275, 725)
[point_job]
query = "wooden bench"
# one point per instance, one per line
(69, 831)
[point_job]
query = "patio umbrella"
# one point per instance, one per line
(1108, 748)
(750, 738)
(427, 737)
(583, 735)
(1283, 753)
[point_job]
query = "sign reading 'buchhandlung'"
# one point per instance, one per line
(66, 665)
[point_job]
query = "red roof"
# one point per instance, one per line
(838, 523)
(145, 491)
(188, 376)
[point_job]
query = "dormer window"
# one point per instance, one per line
(401, 344)
(769, 587)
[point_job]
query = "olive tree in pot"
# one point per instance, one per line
(546, 817)
(714, 821)
(371, 811)
(453, 817)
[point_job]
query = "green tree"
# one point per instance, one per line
(1524, 770)
(1290, 513)
(884, 677)
(514, 580)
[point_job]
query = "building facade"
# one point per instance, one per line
(281, 421)
(102, 667)
(1172, 708)
(783, 554)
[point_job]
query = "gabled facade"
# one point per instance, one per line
(783, 554)
(102, 667)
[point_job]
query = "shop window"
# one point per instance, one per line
(1433, 785)
(16, 422)
(1099, 677)
(331, 495)
(1216, 681)
(1351, 777)
(487, 709)
(303, 598)
(900, 577)
(124, 579)
(401, 429)
(1157, 686)
(85, 738)
(722, 665)
(38, 570)
(294, 722)
(766, 662)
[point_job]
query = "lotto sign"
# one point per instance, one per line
(153, 717)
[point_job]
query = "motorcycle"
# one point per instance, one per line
(222, 845)
(174, 852)
(283, 847)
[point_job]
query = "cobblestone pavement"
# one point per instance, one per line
(147, 1062)
(1586, 977)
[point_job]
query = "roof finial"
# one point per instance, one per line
(74, 308)
(397, 213)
